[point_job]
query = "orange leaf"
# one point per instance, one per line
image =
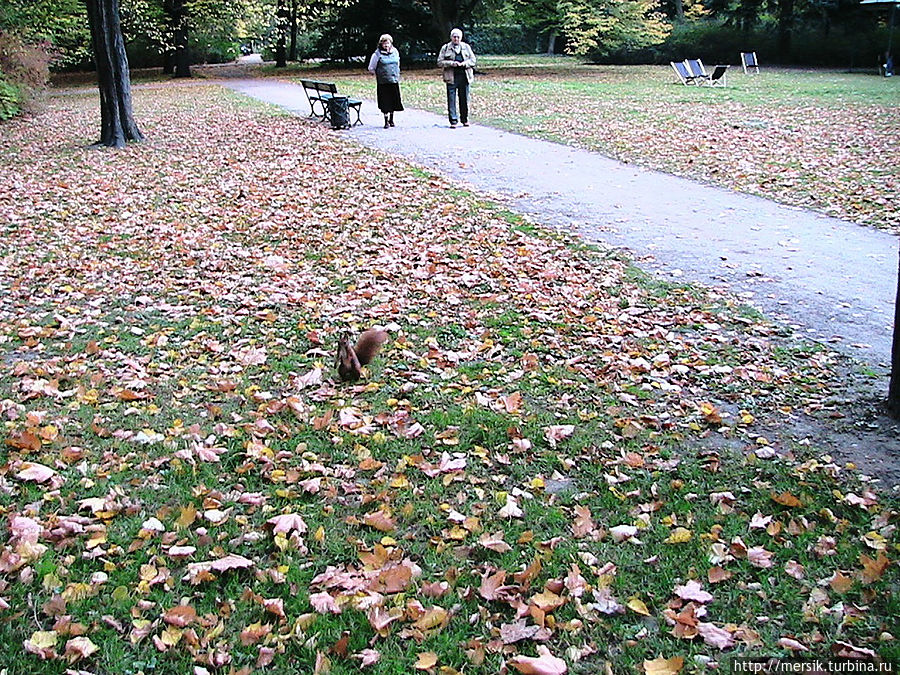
(786, 499)
(873, 569)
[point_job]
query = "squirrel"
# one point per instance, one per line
(350, 360)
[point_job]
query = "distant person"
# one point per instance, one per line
(888, 65)
(457, 60)
(385, 64)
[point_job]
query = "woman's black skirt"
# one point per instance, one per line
(389, 97)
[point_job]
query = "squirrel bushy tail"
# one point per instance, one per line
(350, 360)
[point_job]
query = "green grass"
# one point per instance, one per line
(494, 307)
(792, 135)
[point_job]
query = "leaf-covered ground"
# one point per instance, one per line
(822, 140)
(554, 465)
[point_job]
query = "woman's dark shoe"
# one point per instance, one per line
(391, 123)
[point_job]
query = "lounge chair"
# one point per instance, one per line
(749, 62)
(696, 69)
(683, 73)
(717, 78)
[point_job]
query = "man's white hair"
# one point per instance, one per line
(456, 31)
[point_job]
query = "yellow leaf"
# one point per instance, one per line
(637, 605)
(426, 660)
(171, 636)
(661, 666)
(679, 535)
(875, 541)
(42, 639)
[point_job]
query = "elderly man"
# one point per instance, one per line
(457, 60)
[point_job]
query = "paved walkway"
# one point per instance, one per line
(833, 280)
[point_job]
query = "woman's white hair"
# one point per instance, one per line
(456, 31)
(386, 36)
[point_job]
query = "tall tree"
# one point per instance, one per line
(893, 402)
(449, 14)
(598, 27)
(282, 19)
(117, 125)
(178, 55)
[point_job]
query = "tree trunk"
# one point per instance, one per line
(679, 10)
(551, 44)
(117, 125)
(893, 402)
(292, 51)
(449, 14)
(281, 25)
(785, 28)
(177, 60)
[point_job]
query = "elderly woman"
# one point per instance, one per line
(457, 60)
(385, 65)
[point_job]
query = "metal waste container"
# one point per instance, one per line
(339, 112)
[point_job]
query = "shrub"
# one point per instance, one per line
(505, 39)
(10, 99)
(24, 71)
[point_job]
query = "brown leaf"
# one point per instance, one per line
(79, 648)
(786, 499)
(426, 661)
(718, 574)
(180, 616)
(490, 585)
(583, 525)
(380, 520)
(24, 440)
(873, 569)
(663, 666)
(254, 633)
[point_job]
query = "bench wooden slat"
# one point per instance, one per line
(320, 92)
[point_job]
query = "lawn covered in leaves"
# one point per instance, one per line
(555, 465)
(822, 140)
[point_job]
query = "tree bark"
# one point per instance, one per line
(449, 14)
(281, 24)
(551, 43)
(117, 125)
(893, 402)
(292, 50)
(785, 28)
(182, 55)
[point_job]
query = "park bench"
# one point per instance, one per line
(320, 92)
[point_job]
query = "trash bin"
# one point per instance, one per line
(339, 112)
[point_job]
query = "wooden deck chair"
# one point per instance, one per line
(682, 72)
(749, 62)
(696, 69)
(717, 78)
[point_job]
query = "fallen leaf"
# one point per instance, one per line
(32, 471)
(425, 661)
(79, 648)
(637, 605)
(380, 520)
(663, 666)
(692, 590)
(545, 664)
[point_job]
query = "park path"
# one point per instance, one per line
(832, 280)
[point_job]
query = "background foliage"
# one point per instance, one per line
(802, 32)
